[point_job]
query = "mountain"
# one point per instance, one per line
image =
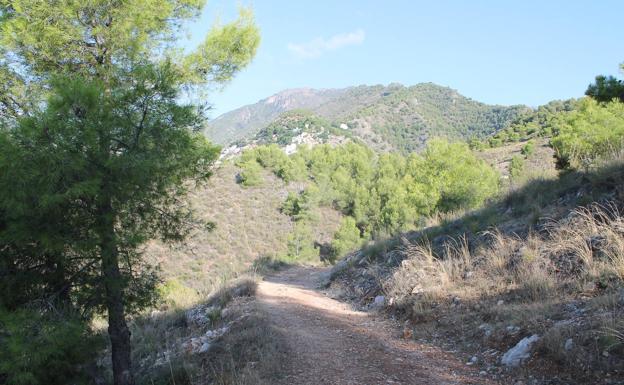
(392, 117)
(246, 121)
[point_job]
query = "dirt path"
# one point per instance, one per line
(330, 343)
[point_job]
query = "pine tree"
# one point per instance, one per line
(99, 148)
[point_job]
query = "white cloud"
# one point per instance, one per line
(318, 46)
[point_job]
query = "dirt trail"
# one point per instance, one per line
(330, 343)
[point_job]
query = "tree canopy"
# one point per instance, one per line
(98, 146)
(606, 89)
(383, 193)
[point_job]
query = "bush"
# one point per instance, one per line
(528, 149)
(274, 159)
(48, 349)
(292, 205)
(516, 166)
(382, 193)
(463, 180)
(301, 243)
(300, 206)
(593, 132)
(346, 239)
(175, 295)
(251, 174)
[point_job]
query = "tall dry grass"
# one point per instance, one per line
(570, 271)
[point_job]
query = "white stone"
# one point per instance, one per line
(379, 301)
(290, 149)
(205, 347)
(487, 329)
(569, 344)
(516, 355)
(513, 329)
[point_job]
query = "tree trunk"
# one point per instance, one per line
(113, 283)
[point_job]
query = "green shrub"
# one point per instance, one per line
(300, 206)
(528, 149)
(48, 349)
(274, 159)
(535, 123)
(463, 180)
(174, 294)
(516, 166)
(346, 239)
(251, 174)
(301, 243)
(593, 132)
(292, 205)
(382, 193)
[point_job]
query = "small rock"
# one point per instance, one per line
(500, 302)
(516, 355)
(486, 328)
(474, 359)
(204, 348)
(605, 353)
(483, 373)
(417, 289)
(379, 301)
(511, 329)
(569, 344)
(468, 275)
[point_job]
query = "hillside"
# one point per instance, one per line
(246, 121)
(249, 225)
(392, 117)
(528, 289)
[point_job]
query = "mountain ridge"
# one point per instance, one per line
(387, 117)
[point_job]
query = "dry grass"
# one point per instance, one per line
(248, 353)
(249, 225)
(252, 352)
(588, 245)
(525, 281)
(541, 163)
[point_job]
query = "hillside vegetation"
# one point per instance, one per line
(392, 117)
(292, 124)
(543, 261)
(381, 194)
(131, 245)
(249, 224)
(246, 121)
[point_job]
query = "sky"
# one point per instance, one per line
(497, 52)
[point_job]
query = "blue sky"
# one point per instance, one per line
(496, 52)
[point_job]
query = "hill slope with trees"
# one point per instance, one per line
(392, 117)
